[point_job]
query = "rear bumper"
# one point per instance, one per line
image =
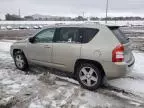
(117, 70)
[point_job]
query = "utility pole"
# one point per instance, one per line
(83, 14)
(19, 13)
(107, 4)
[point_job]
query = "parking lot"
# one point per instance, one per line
(36, 89)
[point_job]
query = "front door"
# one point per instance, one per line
(41, 49)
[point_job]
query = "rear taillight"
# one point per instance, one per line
(118, 54)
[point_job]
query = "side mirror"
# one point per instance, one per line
(31, 39)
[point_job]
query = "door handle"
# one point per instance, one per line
(46, 46)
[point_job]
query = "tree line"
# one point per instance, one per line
(13, 17)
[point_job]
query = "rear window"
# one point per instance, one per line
(120, 35)
(88, 34)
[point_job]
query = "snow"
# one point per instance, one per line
(120, 23)
(12, 82)
(134, 86)
(134, 81)
(139, 67)
(137, 37)
(52, 91)
(4, 46)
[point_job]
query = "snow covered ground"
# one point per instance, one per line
(121, 23)
(20, 90)
(15, 25)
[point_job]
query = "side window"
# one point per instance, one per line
(70, 35)
(45, 36)
(88, 34)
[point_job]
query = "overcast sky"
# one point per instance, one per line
(72, 7)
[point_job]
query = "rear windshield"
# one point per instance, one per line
(120, 35)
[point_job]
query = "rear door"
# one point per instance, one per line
(66, 48)
(128, 56)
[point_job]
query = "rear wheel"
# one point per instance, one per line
(89, 76)
(20, 60)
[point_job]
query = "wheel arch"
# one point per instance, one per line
(96, 63)
(25, 59)
(15, 50)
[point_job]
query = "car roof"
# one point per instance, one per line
(82, 25)
(89, 25)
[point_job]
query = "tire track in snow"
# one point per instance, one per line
(120, 94)
(138, 77)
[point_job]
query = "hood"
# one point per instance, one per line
(22, 41)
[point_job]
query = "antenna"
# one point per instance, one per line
(83, 13)
(107, 3)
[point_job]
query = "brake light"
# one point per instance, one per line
(118, 54)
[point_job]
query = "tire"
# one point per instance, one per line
(20, 61)
(89, 76)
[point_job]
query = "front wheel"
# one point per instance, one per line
(20, 60)
(89, 76)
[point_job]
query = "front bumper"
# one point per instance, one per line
(11, 51)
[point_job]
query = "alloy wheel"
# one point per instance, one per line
(88, 76)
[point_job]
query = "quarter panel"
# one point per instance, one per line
(21, 46)
(103, 43)
(100, 48)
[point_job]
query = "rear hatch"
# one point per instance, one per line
(128, 56)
